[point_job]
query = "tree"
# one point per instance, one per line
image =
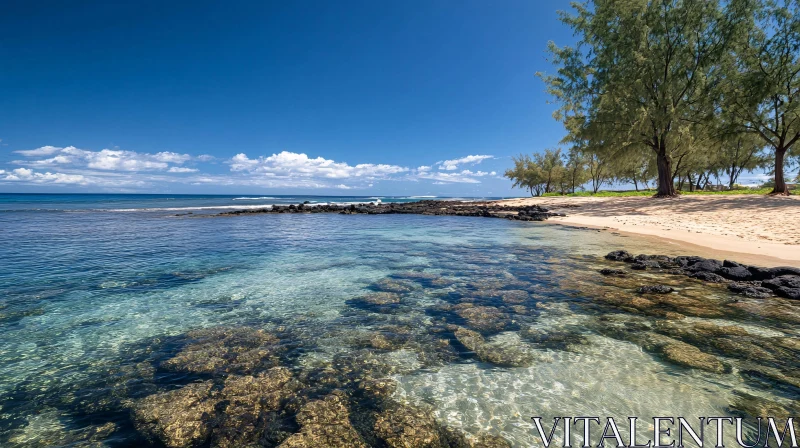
(575, 169)
(636, 167)
(539, 174)
(737, 153)
(643, 73)
(524, 174)
(551, 167)
(764, 92)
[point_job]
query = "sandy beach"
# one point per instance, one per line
(747, 224)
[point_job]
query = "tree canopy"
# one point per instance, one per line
(679, 90)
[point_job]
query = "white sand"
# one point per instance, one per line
(747, 224)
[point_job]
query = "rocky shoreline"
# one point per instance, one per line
(427, 207)
(750, 281)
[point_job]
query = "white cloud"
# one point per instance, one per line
(106, 159)
(38, 152)
(116, 169)
(464, 176)
(30, 176)
(292, 164)
(451, 165)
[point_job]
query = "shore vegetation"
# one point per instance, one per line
(674, 95)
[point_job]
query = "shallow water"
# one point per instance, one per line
(89, 296)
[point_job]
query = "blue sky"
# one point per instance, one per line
(314, 97)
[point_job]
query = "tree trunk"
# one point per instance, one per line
(665, 186)
(732, 177)
(635, 184)
(780, 182)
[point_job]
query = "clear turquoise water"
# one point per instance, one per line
(86, 291)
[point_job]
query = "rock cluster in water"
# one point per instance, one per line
(429, 207)
(655, 315)
(751, 281)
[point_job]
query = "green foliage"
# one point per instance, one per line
(643, 75)
(606, 194)
(681, 91)
(761, 91)
(542, 173)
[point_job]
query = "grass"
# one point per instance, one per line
(606, 194)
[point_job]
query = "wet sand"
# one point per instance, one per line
(747, 224)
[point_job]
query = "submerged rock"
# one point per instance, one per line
(655, 289)
(682, 353)
(499, 354)
(612, 272)
(223, 350)
(554, 340)
(381, 298)
(751, 406)
(251, 412)
(691, 356)
(395, 286)
(409, 427)
(515, 296)
(325, 423)
(180, 418)
(485, 318)
(379, 302)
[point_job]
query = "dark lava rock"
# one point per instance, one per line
(663, 260)
(707, 265)
(655, 289)
(784, 281)
(612, 272)
(789, 293)
(620, 255)
(707, 277)
(429, 207)
(750, 290)
(760, 273)
(645, 264)
(784, 270)
(738, 273)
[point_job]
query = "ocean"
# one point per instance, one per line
(104, 298)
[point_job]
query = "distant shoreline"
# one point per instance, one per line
(761, 228)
